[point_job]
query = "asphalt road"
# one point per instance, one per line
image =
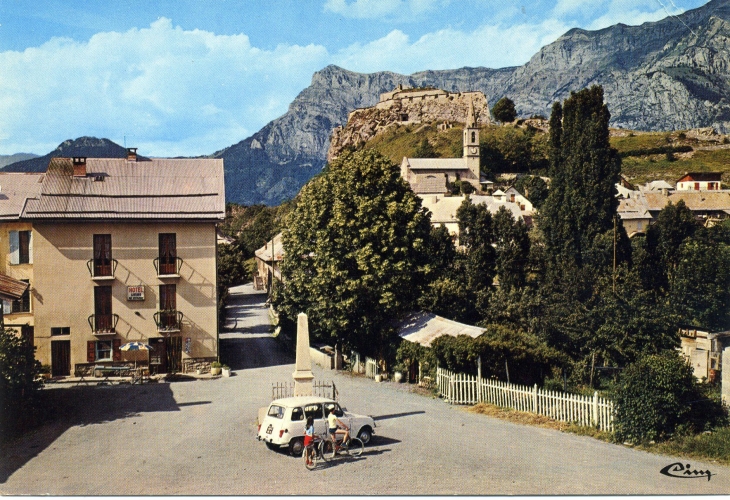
(198, 438)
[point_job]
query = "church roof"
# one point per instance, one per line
(432, 184)
(436, 163)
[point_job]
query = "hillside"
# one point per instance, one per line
(519, 148)
(8, 159)
(91, 147)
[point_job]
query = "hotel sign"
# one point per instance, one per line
(135, 292)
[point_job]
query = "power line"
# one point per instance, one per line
(675, 16)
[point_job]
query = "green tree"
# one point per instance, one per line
(658, 396)
(355, 249)
(512, 247)
(19, 384)
(425, 150)
(700, 288)
(476, 235)
(583, 170)
(533, 188)
(504, 110)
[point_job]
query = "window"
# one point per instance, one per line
(313, 410)
(330, 407)
(168, 253)
(297, 414)
(21, 247)
(60, 330)
(104, 350)
(473, 137)
(103, 309)
(168, 307)
(102, 255)
(23, 303)
(276, 411)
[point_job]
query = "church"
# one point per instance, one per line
(434, 175)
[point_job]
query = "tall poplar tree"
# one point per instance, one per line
(583, 169)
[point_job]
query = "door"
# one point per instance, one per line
(61, 358)
(102, 255)
(168, 307)
(158, 356)
(173, 346)
(168, 253)
(103, 309)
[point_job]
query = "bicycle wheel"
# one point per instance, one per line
(355, 447)
(327, 449)
(310, 457)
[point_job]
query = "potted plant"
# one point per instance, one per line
(215, 368)
(226, 370)
(398, 374)
(45, 372)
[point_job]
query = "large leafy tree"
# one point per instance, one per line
(355, 249)
(504, 110)
(583, 170)
(18, 384)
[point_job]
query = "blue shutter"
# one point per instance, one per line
(30, 247)
(14, 247)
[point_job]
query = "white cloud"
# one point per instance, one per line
(492, 46)
(178, 92)
(375, 9)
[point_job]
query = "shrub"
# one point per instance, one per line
(19, 384)
(658, 396)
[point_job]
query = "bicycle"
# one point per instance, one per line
(353, 448)
(313, 452)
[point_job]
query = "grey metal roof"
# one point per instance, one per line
(10, 288)
(437, 163)
(423, 328)
(15, 188)
(119, 188)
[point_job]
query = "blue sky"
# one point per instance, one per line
(191, 77)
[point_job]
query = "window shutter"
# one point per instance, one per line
(90, 351)
(30, 247)
(7, 307)
(14, 247)
(117, 354)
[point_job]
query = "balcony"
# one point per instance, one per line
(168, 267)
(168, 320)
(103, 324)
(100, 271)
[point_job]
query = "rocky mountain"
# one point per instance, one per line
(668, 75)
(8, 159)
(91, 147)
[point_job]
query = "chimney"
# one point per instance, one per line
(131, 154)
(79, 166)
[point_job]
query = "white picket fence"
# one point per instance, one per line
(371, 367)
(459, 388)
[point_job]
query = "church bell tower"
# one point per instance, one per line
(471, 145)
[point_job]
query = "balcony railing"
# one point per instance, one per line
(169, 269)
(102, 271)
(103, 324)
(168, 320)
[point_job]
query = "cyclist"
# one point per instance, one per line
(334, 423)
(308, 437)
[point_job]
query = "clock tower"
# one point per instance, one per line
(471, 145)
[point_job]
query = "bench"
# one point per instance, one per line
(107, 371)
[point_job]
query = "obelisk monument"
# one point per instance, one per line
(303, 368)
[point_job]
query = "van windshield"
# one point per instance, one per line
(276, 411)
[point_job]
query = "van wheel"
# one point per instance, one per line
(296, 446)
(365, 434)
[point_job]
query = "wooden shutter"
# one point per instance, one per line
(30, 247)
(90, 351)
(14, 247)
(7, 307)
(116, 352)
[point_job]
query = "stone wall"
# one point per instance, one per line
(191, 365)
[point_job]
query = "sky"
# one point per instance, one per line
(191, 77)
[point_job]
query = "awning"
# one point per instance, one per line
(423, 328)
(10, 288)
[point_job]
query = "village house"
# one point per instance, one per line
(16, 252)
(700, 181)
(125, 250)
(703, 351)
(268, 264)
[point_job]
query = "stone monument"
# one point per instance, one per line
(725, 388)
(303, 368)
